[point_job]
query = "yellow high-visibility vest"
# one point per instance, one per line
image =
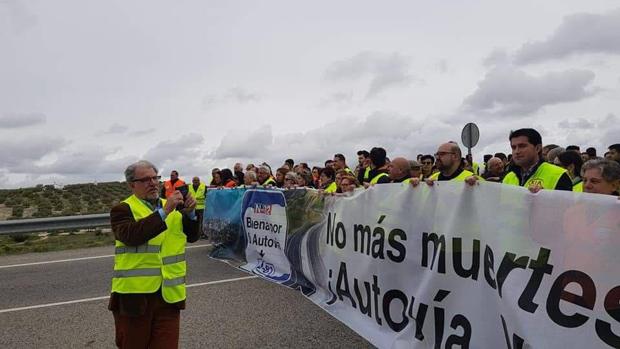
(367, 173)
(461, 177)
(547, 176)
(331, 188)
(158, 263)
(269, 181)
(377, 177)
(199, 195)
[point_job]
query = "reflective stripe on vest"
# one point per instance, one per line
(173, 259)
(199, 195)
(461, 177)
(546, 175)
(160, 263)
(377, 177)
(137, 272)
(175, 282)
(138, 249)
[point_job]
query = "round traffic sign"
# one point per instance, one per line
(470, 135)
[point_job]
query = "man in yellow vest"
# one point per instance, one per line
(148, 282)
(378, 167)
(264, 176)
(448, 161)
(529, 169)
(399, 170)
(362, 169)
(198, 191)
(340, 163)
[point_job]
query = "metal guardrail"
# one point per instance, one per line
(20, 226)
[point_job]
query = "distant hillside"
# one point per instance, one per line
(47, 201)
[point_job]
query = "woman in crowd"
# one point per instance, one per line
(339, 175)
(280, 174)
(304, 179)
(227, 178)
(316, 174)
(601, 177)
(348, 183)
(216, 181)
(290, 180)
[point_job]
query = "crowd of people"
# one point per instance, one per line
(531, 164)
(152, 226)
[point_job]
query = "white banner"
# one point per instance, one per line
(490, 266)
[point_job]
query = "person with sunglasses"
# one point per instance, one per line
(148, 282)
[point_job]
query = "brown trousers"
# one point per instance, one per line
(157, 328)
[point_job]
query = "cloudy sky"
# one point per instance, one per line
(88, 87)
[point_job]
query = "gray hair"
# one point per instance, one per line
(130, 171)
(610, 170)
(553, 153)
(291, 175)
(251, 175)
(265, 168)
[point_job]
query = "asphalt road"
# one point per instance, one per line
(225, 309)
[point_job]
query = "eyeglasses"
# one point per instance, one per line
(442, 153)
(147, 179)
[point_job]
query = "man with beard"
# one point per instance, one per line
(148, 282)
(363, 166)
(448, 162)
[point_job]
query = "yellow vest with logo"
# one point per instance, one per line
(199, 195)
(461, 177)
(159, 263)
(547, 175)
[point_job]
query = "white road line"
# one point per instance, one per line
(77, 259)
(11, 310)
(222, 281)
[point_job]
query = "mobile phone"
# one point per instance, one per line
(184, 191)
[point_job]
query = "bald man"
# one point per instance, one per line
(399, 170)
(448, 162)
(495, 170)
